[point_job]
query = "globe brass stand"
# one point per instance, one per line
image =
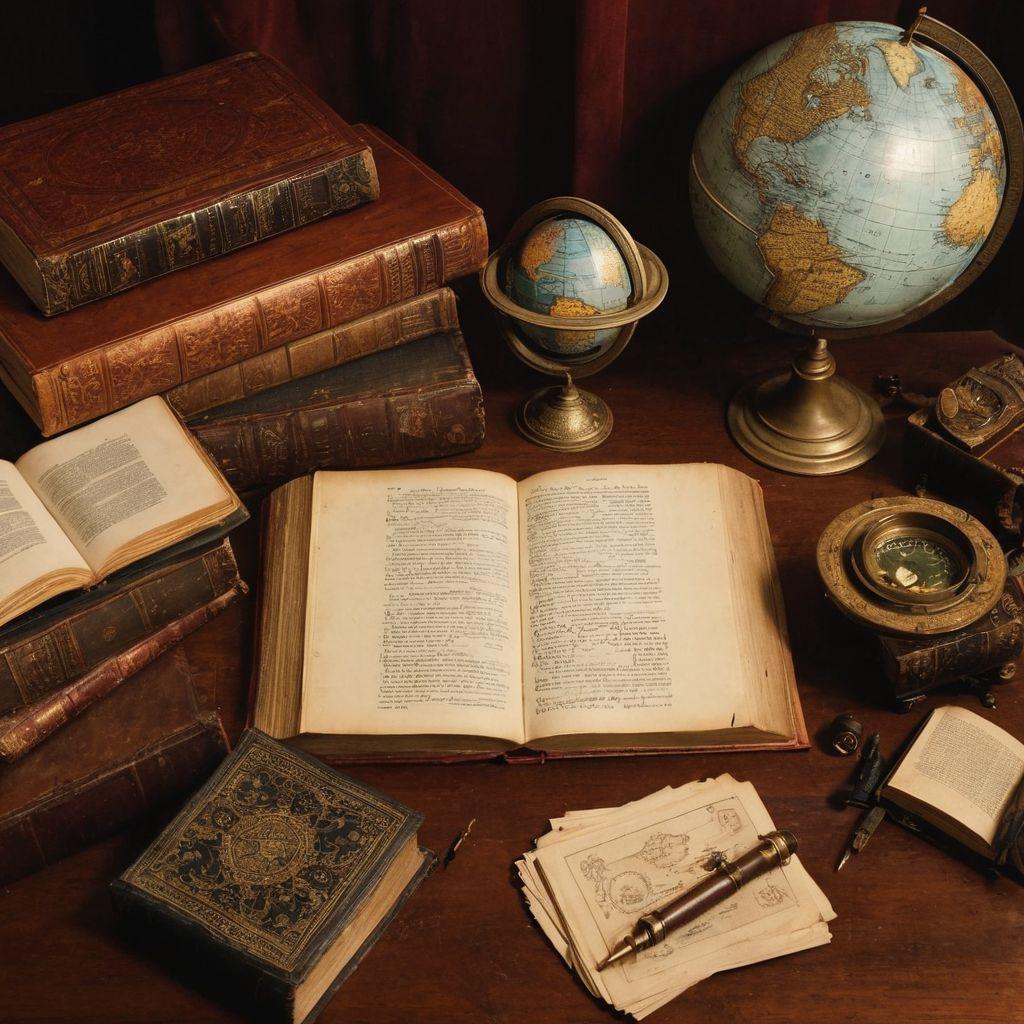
(564, 418)
(809, 421)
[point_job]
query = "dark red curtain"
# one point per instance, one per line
(518, 101)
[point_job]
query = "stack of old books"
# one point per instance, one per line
(332, 342)
(246, 347)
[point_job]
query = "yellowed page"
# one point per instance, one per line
(599, 878)
(32, 545)
(964, 766)
(120, 477)
(628, 617)
(412, 621)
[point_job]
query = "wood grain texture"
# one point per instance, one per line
(920, 937)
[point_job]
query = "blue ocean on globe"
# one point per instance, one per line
(569, 266)
(842, 178)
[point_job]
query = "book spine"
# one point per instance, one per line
(71, 279)
(130, 369)
(45, 661)
(406, 321)
(24, 730)
(359, 433)
(973, 652)
(69, 821)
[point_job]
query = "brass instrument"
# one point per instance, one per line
(930, 582)
(773, 851)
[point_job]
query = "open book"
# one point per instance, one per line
(445, 613)
(78, 508)
(958, 775)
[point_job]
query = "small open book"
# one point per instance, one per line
(444, 613)
(958, 776)
(78, 508)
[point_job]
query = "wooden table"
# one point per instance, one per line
(920, 937)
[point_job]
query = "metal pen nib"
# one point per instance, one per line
(624, 950)
(862, 834)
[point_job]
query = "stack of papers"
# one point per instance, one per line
(597, 871)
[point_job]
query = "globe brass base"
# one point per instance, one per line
(564, 418)
(808, 421)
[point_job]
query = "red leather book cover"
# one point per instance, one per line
(104, 195)
(420, 234)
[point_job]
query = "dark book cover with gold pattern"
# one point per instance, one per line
(269, 866)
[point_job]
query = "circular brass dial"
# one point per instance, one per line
(911, 566)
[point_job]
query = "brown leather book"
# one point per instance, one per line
(43, 652)
(420, 234)
(405, 321)
(104, 195)
(419, 401)
(145, 745)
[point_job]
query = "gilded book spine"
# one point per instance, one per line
(376, 430)
(74, 278)
(134, 368)
(406, 321)
(24, 730)
(41, 661)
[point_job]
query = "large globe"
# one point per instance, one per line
(568, 266)
(842, 178)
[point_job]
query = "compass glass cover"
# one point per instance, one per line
(917, 564)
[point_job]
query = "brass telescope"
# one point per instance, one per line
(773, 851)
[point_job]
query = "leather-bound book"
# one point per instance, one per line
(104, 195)
(44, 651)
(279, 874)
(420, 234)
(146, 744)
(419, 401)
(405, 321)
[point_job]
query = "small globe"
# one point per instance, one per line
(568, 266)
(842, 178)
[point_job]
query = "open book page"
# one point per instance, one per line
(128, 475)
(964, 766)
(412, 618)
(599, 878)
(33, 549)
(632, 619)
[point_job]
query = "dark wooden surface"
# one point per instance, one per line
(919, 938)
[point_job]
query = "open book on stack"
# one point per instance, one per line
(453, 613)
(76, 509)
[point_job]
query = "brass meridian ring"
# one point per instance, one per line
(841, 566)
(647, 273)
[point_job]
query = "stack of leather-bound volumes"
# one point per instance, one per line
(333, 342)
(220, 238)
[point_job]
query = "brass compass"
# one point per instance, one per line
(930, 582)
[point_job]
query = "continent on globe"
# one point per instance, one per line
(808, 271)
(569, 266)
(794, 97)
(843, 178)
